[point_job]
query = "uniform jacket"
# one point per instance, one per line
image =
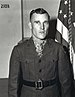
(25, 64)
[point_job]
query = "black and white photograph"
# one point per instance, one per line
(37, 48)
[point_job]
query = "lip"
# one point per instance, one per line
(41, 32)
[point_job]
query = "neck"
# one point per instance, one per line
(39, 41)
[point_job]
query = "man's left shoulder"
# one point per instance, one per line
(58, 46)
(54, 43)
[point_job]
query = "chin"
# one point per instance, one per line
(42, 38)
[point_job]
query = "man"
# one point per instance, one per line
(39, 67)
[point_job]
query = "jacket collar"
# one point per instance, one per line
(46, 50)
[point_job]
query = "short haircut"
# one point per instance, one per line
(39, 11)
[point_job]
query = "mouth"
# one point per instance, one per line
(41, 32)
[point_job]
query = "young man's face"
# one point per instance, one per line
(39, 25)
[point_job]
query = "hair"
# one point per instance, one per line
(39, 11)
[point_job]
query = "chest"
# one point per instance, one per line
(34, 66)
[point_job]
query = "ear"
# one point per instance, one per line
(30, 25)
(74, 24)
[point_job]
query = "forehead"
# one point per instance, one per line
(39, 17)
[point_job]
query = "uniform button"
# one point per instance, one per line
(39, 60)
(40, 70)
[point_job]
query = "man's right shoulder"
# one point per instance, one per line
(23, 40)
(22, 43)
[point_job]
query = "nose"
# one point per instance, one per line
(42, 26)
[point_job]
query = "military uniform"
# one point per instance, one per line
(26, 65)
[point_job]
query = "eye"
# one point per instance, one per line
(46, 22)
(37, 22)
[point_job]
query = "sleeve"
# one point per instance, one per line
(65, 74)
(14, 74)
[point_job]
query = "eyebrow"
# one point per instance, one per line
(46, 21)
(36, 21)
(39, 21)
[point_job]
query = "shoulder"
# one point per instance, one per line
(22, 44)
(54, 43)
(24, 40)
(58, 46)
